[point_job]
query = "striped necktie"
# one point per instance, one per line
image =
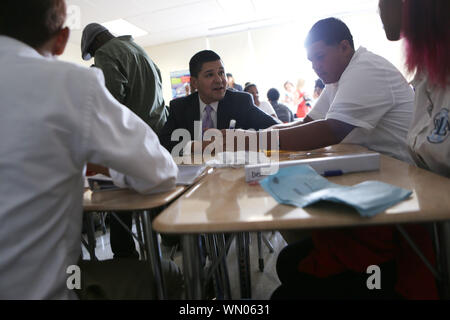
(207, 122)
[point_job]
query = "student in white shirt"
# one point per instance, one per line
(263, 105)
(366, 100)
(56, 117)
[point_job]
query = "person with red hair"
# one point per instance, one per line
(331, 264)
(425, 26)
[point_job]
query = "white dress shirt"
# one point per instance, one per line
(267, 108)
(56, 117)
(373, 96)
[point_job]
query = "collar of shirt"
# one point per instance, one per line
(8, 44)
(214, 106)
(361, 50)
(355, 56)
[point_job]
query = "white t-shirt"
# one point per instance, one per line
(56, 117)
(429, 136)
(373, 96)
(267, 108)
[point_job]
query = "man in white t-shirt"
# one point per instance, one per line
(56, 118)
(373, 96)
(366, 100)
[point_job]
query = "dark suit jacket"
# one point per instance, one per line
(235, 105)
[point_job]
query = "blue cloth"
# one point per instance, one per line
(301, 186)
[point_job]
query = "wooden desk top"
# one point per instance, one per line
(127, 200)
(224, 202)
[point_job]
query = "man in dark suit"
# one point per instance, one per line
(212, 104)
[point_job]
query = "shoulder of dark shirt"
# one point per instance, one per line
(283, 106)
(234, 95)
(182, 102)
(231, 96)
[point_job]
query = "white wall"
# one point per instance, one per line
(270, 56)
(73, 54)
(267, 56)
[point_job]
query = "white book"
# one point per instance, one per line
(326, 166)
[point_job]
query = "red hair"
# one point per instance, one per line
(426, 28)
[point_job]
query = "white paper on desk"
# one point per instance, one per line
(187, 174)
(237, 159)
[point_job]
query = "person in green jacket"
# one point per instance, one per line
(135, 81)
(130, 75)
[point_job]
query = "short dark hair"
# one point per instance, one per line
(32, 22)
(273, 94)
(197, 61)
(248, 85)
(331, 31)
(229, 75)
(319, 84)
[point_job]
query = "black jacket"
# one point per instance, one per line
(235, 105)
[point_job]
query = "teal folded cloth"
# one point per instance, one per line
(301, 186)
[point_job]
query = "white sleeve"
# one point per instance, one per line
(267, 108)
(120, 140)
(321, 107)
(364, 96)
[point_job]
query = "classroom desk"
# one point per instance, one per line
(128, 200)
(224, 202)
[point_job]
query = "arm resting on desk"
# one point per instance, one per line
(313, 135)
(118, 139)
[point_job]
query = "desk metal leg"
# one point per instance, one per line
(192, 268)
(260, 251)
(223, 269)
(219, 266)
(442, 248)
(87, 246)
(90, 232)
(137, 221)
(213, 256)
(418, 252)
(154, 254)
(242, 249)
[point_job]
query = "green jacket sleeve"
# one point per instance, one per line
(115, 78)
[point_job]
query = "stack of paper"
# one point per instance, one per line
(301, 186)
(326, 165)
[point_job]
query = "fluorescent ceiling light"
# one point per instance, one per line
(122, 27)
(241, 25)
